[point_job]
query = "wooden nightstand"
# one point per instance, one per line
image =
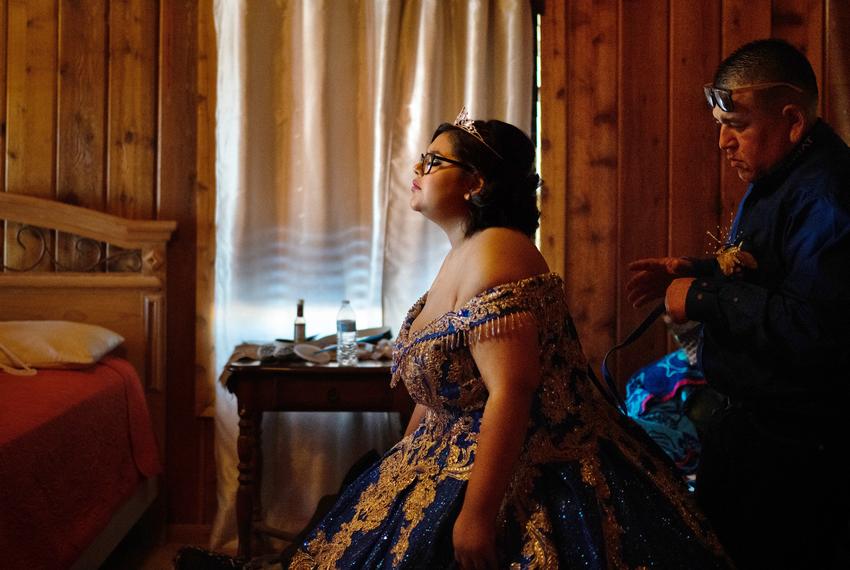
(297, 386)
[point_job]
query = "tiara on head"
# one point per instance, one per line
(462, 121)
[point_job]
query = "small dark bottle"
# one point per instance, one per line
(299, 334)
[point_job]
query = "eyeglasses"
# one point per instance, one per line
(720, 97)
(430, 159)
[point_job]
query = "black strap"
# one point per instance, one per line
(633, 336)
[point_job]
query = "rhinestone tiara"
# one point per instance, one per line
(462, 121)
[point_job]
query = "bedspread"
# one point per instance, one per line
(73, 447)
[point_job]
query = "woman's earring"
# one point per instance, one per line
(467, 196)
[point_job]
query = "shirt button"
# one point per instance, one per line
(734, 299)
(699, 296)
(704, 284)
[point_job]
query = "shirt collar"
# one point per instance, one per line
(816, 133)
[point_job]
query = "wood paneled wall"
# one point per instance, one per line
(97, 108)
(629, 156)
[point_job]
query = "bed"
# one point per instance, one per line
(82, 421)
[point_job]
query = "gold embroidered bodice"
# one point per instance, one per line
(438, 369)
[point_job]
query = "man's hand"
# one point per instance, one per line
(474, 541)
(674, 300)
(653, 277)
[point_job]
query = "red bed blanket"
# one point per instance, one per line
(74, 444)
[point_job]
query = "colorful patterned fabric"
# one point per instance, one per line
(588, 489)
(656, 398)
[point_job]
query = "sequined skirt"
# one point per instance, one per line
(401, 515)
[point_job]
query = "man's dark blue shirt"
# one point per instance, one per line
(777, 338)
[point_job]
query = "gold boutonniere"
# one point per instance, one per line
(732, 259)
(730, 256)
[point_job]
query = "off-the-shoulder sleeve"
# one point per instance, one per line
(494, 311)
(502, 309)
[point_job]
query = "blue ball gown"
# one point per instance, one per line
(589, 490)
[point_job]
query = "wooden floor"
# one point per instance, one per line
(158, 557)
(138, 551)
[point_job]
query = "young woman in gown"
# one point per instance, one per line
(513, 458)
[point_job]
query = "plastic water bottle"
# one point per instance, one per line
(346, 336)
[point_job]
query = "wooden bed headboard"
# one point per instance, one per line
(117, 279)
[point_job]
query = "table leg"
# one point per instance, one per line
(246, 445)
(258, 470)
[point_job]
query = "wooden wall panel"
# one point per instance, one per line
(206, 203)
(553, 140)
(133, 39)
(694, 161)
(31, 114)
(82, 103)
(31, 96)
(643, 150)
(591, 225)
(743, 21)
(800, 23)
(837, 67)
(668, 182)
(3, 85)
(81, 109)
(177, 150)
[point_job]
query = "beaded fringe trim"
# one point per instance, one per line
(488, 327)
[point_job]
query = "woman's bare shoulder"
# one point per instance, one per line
(496, 256)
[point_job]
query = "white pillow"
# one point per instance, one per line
(55, 344)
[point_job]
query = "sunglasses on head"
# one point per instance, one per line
(720, 97)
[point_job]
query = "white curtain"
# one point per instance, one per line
(323, 107)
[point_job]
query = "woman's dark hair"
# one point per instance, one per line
(508, 197)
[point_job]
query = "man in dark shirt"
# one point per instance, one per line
(775, 311)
